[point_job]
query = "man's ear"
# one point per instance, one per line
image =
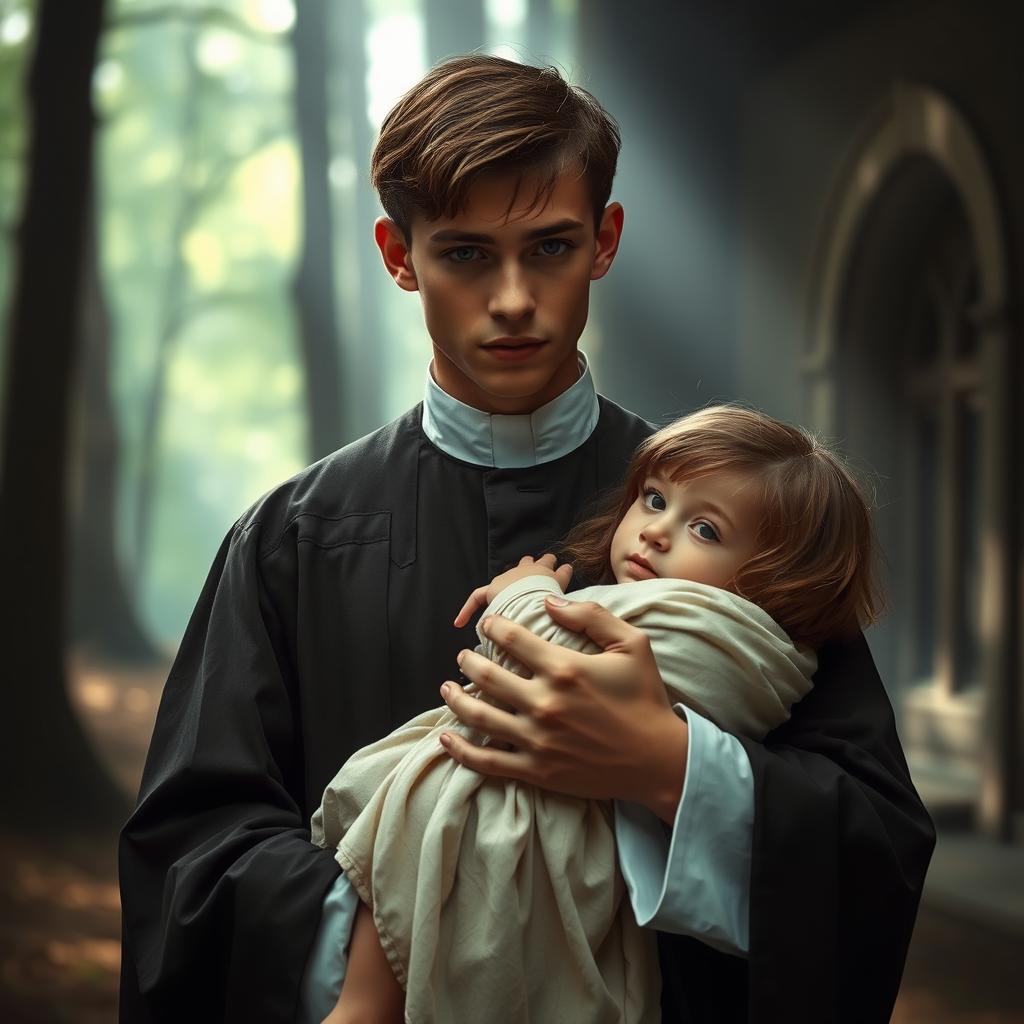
(606, 245)
(394, 250)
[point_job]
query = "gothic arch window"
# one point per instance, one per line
(907, 360)
(943, 381)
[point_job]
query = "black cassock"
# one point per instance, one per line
(325, 623)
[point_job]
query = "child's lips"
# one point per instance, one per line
(639, 568)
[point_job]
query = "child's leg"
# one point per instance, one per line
(370, 993)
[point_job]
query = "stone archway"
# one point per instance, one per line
(907, 359)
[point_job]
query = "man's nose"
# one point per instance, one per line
(512, 298)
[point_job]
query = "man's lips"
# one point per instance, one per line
(638, 567)
(513, 348)
(513, 342)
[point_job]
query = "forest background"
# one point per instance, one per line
(193, 311)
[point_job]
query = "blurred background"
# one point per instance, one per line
(824, 217)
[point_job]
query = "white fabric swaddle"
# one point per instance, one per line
(495, 900)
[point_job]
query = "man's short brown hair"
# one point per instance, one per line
(476, 114)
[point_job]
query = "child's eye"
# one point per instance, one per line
(463, 254)
(554, 247)
(654, 501)
(705, 531)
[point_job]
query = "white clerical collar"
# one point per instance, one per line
(511, 442)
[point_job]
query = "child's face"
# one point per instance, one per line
(701, 530)
(505, 300)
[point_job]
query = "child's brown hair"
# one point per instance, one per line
(479, 113)
(813, 573)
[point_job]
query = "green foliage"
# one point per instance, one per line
(230, 390)
(200, 218)
(199, 204)
(16, 23)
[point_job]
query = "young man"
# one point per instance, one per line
(325, 623)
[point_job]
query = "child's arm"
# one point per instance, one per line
(483, 596)
(370, 991)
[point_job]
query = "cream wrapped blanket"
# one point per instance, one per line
(500, 902)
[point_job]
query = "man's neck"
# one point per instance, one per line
(454, 383)
(511, 440)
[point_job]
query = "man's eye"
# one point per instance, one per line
(705, 531)
(463, 254)
(554, 247)
(654, 501)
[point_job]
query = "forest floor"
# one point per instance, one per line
(60, 913)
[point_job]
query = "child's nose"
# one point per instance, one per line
(655, 533)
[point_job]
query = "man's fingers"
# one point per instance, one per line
(547, 560)
(478, 599)
(497, 723)
(563, 574)
(527, 648)
(608, 631)
(497, 682)
(486, 760)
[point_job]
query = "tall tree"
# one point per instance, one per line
(363, 362)
(314, 280)
(104, 620)
(49, 770)
(540, 32)
(454, 27)
(202, 181)
(171, 310)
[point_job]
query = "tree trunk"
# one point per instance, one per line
(49, 770)
(314, 280)
(454, 28)
(178, 303)
(104, 621)
(363, 354)
(540, 25)
(170, 321)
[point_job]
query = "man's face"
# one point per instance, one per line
(505, 298)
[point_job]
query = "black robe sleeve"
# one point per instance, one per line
(221, 890)
(840, 848)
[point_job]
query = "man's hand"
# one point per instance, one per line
(598, 726)
(483, 596)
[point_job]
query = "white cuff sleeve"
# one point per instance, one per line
(325, 968)
(695, 881)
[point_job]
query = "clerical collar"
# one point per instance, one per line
(511, 442)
